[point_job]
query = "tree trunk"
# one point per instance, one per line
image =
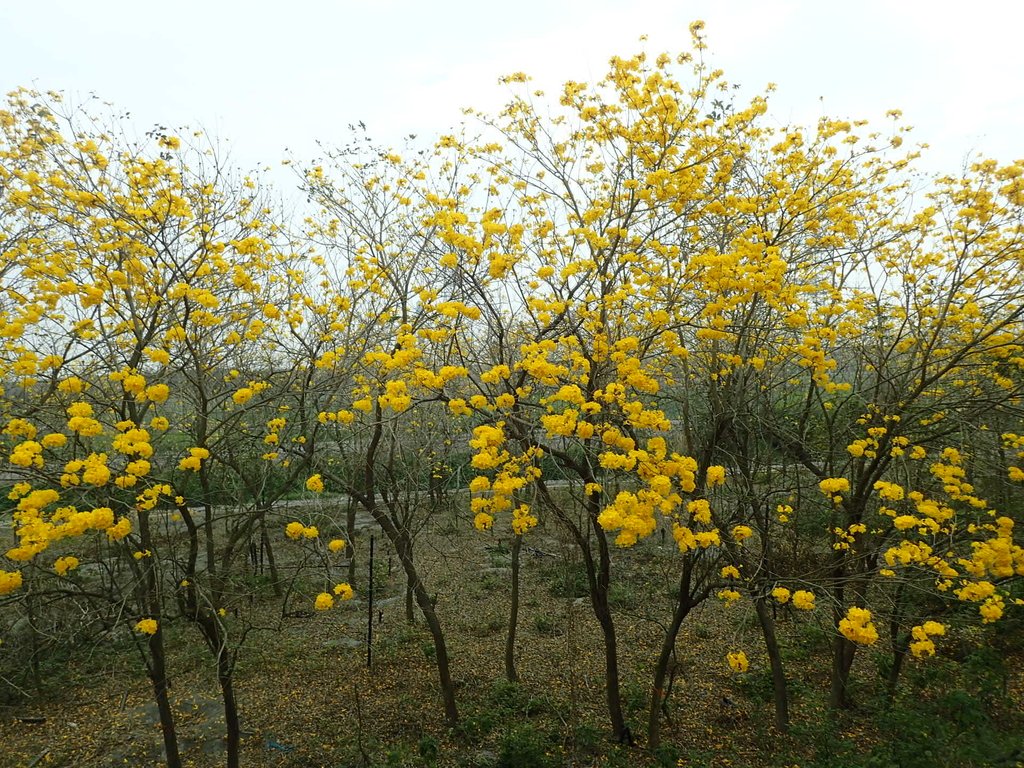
(661, 670)
(899, 655)
(404, 548)
(684, 604)
(603, 613)
(397, 537)
(233, 732)
(410, 615)
(843, 651)
(513, 614)
(37, 649)
(899, 643)
(158, 675)
(429, 615)
(771, 643)
(275, 577)
(350, 532)
(599, 581)
(157, 659)
(451, 711)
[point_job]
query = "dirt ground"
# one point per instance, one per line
(307, 698)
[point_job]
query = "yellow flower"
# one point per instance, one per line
(505, 401)
(157, 355)
(730, 596)
(781, 594)
(121, 529)
(738, 661)
(194, 460)
(831, 485)
(858, 627)
(54, 440)
(65, 564)
(72, 386)
(715, 476)
(315, 484)
(324, 602)
(336, 545)
(242, 396)
(158, 393)
(344, 591)
(741, 532)
(803, 600)
(146, 626)
(294, 530)
(9, 581)
(700, 509)
(922, 648)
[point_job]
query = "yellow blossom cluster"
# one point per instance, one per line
(737, 661)
(858, 627)
(921, 638)
(325, 600)
(296, 530)
(194, 459)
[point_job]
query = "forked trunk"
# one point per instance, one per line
(661, 671)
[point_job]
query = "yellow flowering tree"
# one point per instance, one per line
(150, 279)
(399, 329)
(574, 235)
(903, 362)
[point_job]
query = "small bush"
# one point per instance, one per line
(524, 747)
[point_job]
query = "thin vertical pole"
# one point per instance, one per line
(369, 614)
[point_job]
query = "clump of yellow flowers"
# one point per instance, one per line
(857, 626)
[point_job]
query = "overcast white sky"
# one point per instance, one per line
(269, 75)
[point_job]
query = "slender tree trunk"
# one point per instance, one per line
(603, 614)
(843, 651)
(598, 580)
(771, 643)
(451, 710)
(158, 676)
(513, 614)
(396, 537)
(275, 577)
(893, 678)
(37, 649)
(410, 614)
(599, 588)
(668, 644)
(899, 655)
(350, 532)
(157, 657)
(426, 607)
(899, 643)
(404, 548)
(225, 677)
